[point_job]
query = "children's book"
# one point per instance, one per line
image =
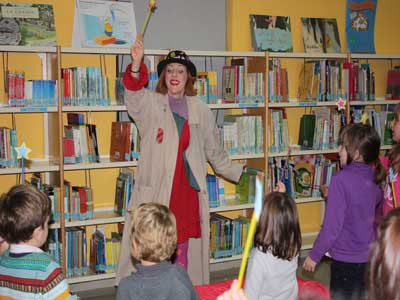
(27, 25)
(271, 33)
(360, 23)
(320, 35)
(100, 23)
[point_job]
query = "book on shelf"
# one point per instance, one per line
(393, 84)
(125, 141)
(360, 24)
(320, 35)
(123, 190)
(8, 142)
(271, 33)
(245, 189)
(103, 24)
(27, 24)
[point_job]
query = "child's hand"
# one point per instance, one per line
(280, 187)
(309, 264)
(233, 293)
(324, 191)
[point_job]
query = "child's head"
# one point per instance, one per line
(360, 142)
(278, 229)
(396, 124)
(24, 214)
(383, 273)
(153, 232)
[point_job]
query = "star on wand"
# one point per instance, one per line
(22, 154)
(252, 228)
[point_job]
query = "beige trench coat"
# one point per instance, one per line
(156, 168)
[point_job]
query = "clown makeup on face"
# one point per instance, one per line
(175, 79)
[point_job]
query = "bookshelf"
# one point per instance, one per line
(53, 118)
(51, 163)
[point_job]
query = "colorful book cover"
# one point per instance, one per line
(320, 35)
(271, 33)
(360, 23)
(27, 25)
(100, 23)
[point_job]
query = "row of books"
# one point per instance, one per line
(303, 175)
(393, 84)
(322, 80)
(278, 83)
(380, 120)
(244, 190)
(227, 235)
(8, 142)
(320, 129)
(123, 190)
(84, 86)
(206, 86)
(242, 134)
(362, 81)
(103, 252)
(240, 85)
(80, 140)
(22, 92)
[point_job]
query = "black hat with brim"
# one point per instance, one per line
(180, 57)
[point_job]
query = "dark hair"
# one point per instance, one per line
(383, 272)
(278, 229)
(189, 87)
(22, 210)
(365, 140)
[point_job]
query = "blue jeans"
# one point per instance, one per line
(347, 280)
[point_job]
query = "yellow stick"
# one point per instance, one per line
(394, 196)
(146, 22)
(247, 247)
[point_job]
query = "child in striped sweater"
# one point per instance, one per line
(26, 272)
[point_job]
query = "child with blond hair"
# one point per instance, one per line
(153, 242)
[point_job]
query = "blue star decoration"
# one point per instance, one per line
(23, 151)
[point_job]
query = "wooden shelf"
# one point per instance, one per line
(28, 49)
(235, 105)
(302, 152)
(301, 104)
(232, 207)
(94, 277)
(103, 217)
(246, 156)
(26, 109)
(104, 163)
(33, 166)
(308, 199)
(375, 102)
(76, 108)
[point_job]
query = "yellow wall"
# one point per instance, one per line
(30, 126)
(238, 38)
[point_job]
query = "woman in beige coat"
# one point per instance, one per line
(178, 136)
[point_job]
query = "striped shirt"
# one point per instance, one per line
(31, 275)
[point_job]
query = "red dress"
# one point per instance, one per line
(184, 201)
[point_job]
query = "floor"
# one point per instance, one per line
(322, 274)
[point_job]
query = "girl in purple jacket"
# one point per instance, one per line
(353, 198)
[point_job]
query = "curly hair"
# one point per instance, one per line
(189, 87)
(153, 232)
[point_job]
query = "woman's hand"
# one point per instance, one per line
(309, 264)
(137, 53)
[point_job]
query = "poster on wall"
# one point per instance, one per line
(360, 23)
(320, 35)
(108, 24)
(271, 33)
(27, 25)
